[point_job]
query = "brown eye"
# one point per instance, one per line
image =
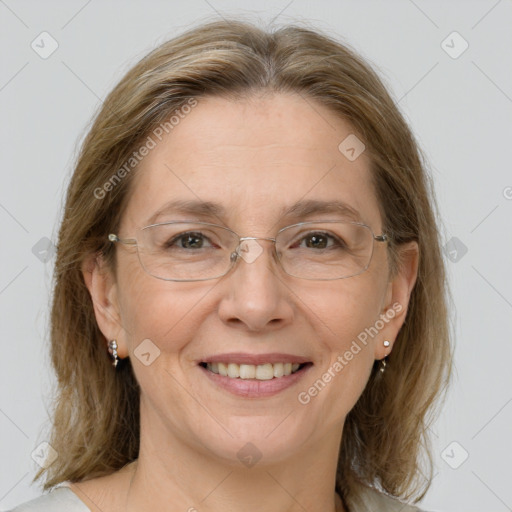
(316, 241)
(190, 240)
(320, 240)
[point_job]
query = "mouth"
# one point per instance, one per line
(261, 372)
(254, 381)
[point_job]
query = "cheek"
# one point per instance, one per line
(342, 314)
(341, 310)
(165, 312)
(348, 319)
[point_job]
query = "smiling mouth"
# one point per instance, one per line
(265, 371)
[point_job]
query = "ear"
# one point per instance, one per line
(104, 294)
(397, 297)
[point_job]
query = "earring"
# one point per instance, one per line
(112, 348)
(383, 361)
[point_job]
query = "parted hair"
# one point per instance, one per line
(95, 410)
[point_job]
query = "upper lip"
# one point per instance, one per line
(255, 359)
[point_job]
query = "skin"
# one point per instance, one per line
(253, 156)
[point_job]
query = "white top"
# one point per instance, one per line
(59, 499)
(63, 499)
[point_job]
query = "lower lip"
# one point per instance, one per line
(253, 388)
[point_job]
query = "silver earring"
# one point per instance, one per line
(383, 361)
(112, 348)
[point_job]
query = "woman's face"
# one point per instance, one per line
(255, 158)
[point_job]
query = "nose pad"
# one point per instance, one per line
(249, 250)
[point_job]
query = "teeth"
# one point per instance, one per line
(265, 371)
(233, 370)
(247, 371)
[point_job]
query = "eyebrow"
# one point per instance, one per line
(311, 207)
(299, 210)
(196, 208)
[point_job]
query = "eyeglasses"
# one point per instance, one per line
(198, 251)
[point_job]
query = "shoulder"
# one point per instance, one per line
(371, 500)
(59, 499)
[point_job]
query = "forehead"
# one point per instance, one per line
(255, 158)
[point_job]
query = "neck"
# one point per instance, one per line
(175, 475)
(137, 499)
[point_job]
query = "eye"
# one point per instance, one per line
(190, 240)
(320, 240)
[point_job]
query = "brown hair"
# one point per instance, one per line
(96, 416)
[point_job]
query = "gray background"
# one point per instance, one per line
(459, 108)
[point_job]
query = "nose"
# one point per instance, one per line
(255, 296)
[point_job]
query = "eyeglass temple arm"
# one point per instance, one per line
(129, 241)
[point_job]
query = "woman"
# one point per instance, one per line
(249, 309)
